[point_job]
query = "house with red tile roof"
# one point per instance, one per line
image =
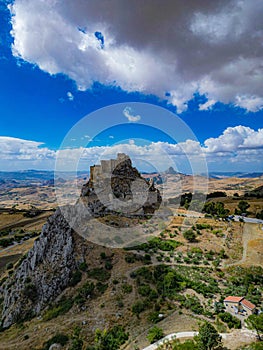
(239, 305)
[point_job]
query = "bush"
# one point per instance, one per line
(231, 321)
(83, 266)
(190, 235)
(84, 292)
(126, 288)
(138, 307)
(9, 266)
(130, 258)
(110, 339)
(187, 345)
(101, 287)
(75, 278)
(108, 265)
(103, 255)
(99, 274)
(62, 307)
(59, 338)
(155, 334)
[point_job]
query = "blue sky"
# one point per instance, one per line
(58, 64)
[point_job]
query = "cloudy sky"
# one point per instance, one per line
(61, 60)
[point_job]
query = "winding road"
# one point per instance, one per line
(172, 336)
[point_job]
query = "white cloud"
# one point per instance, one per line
(238, 146)
(235, 139)
(213, 47)
(207, 105)
(15, 148)
(19, 154)
(251, 103)
(70, 96)
(129, 114)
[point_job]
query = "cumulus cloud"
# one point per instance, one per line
(237, 145)
(129, 114)
(19, 154)
(172, 50)
(235, 139)
(19, 149)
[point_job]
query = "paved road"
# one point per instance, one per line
(171, 337)
(249, 220)
(191, 335)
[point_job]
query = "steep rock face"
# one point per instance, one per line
(44, 273)
(122, 190)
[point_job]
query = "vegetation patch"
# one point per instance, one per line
(61, 308)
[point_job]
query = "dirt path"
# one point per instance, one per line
(252, 233)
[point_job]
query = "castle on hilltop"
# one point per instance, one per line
(106, 167)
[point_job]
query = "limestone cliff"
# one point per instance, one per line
(43, 274)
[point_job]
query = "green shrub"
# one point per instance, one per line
(187, 345)
(75, 278)
(83, 266)
(101, 287)
(138, 307)
(103, 255)
(108, 265)
(203, 226)
(231, 321)
(190, 235)
(155, 334)
(59, 338)
(9, 266)
(62, 307)
(99, 274)
(130, 258)
(126, 288)
(84, 292)
(111, 339)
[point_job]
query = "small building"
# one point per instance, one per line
(239, 305)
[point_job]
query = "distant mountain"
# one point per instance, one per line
(25, 178)
(171, 171)
(241, 175)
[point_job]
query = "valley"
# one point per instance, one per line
(176, 280)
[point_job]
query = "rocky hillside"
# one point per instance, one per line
(50, 265)
(43, 274)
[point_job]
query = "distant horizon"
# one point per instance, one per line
(142, 172)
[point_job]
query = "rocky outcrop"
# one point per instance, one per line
(121, 190)
(49, 265)
(43, 274)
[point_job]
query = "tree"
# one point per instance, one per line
(155, 333)
(216, 208)
(255, 323)
(138, 307)
(260, 215)
(110, 339)
(77, 342)
(243, 206)
(208, 337)
(190, 235)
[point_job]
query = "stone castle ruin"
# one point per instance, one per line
(115, 186)
(106, 168)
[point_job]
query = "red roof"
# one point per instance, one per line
(234, 299)
(248, 304)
